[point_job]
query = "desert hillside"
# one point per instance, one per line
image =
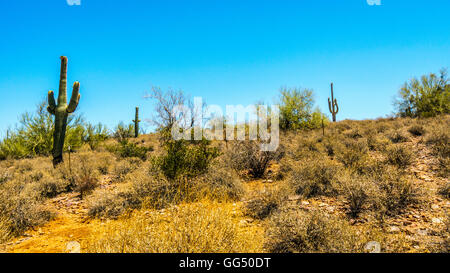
(351, 187)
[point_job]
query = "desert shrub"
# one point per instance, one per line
(5, 176)
(395, 192)
(156, 191)
(95, 134)
(438, 139)
(191, 228)
(373, 142)
(294, 231)
(417, 130)
(82, 174)
(265, 203)
(20, 208)
(123, 132)
(427, 97)
(218, 183)
(398, 136)
(104, 162)
(182, 158)
(444, 190)
(354, 133)
(358, 191)
(49, 186)
(24, 166)
(353, 154)
(111, 204)
(315, 177)
(121, 169)
(399, 156)
(247, 156)
(127, 149)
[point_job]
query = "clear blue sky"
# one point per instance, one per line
(227, 51)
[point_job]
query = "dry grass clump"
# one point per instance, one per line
(398, 136)
(5, 176)
(265, 203)
(315, 177)
(149, 188)
(122, 168)
(417, 130)
(399, 156)
(190, 228)
(20, 208)
(353, 154)
(395, 193)
(111, 204)
(438, 139)
(218, 183)
(293, 231)
(359, 192)
(247, 156)
(82, 173)
(445, 190)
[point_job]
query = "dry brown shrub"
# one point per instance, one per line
(203, 227)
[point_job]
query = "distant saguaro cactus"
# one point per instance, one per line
(136, 123)
(333, 105)
(61, 111)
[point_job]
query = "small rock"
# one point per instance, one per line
(436, 221)
(373, 247)
(305, 203)
(435, 207)
(73, 247)
(422, 232)
(394, 229)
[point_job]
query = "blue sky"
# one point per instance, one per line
(226, 51)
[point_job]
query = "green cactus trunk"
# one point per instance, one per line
(61, 111)
(333, 105)
(136, 123)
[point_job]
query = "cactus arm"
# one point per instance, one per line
(75, 99)
(62, 96)
(329, 105)
(51, 102)
(337, 107)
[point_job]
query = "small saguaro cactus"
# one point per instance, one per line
(333, 105)
(136, 123)
(61, 111)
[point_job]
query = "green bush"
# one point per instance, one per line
(183, 158)
(34, 136)
(427, 97)
(126, 149)
(95, 134)
(296, 110)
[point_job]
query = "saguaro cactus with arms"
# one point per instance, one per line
(333, 105)
(61, 111)
(136, 123)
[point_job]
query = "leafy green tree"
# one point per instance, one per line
(34, 136)
(427, 97)
(296, 110)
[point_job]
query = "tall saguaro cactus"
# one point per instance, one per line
(61, 111)
(333, 105)
(136, 123)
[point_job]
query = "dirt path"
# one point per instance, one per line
(70, 225)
